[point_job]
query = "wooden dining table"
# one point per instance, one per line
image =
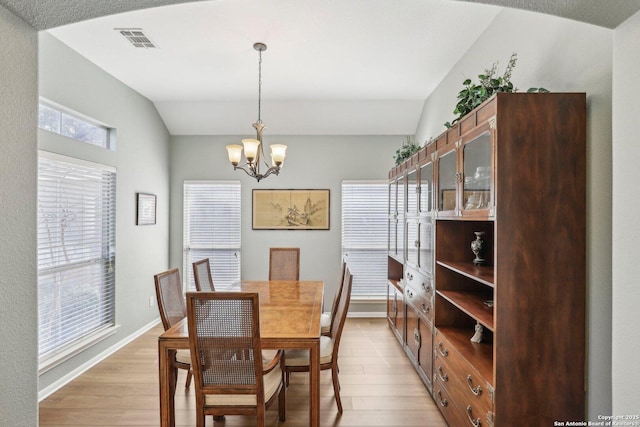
(289, 319)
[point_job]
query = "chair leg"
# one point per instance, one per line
(336, 387)
(282, 403)
(187, 383)
(260, 416)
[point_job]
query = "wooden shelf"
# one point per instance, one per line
(480, 355)
(481, 273)
(396, 284)
(472, 303)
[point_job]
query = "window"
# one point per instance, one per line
(212, 230)
(76, 255)
(364, 235)
(58, 121)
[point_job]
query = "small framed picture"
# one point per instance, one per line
(146, 209)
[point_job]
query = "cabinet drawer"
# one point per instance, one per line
(447, 407)
(421, 303)
(463, 383)
(419, 282)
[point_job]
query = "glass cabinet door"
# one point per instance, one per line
(447, 182)
(412, 192)
(426, 188)
(413, 242)
(477, 173)
(393, 219)
(425, 251)
(396, 219)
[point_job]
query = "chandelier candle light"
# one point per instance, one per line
(253, 147)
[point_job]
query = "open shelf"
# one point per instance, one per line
(480, 355)
(396, 284)
(481, 273)
(472, 303)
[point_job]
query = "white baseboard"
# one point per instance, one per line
(52, 388)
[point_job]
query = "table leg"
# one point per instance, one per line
(314, 384)
(168, 379)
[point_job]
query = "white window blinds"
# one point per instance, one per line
(212, 230)
(364, 235)
(76, 252)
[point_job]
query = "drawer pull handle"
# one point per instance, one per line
(443, 402)
(443, 377)
(425, 308)
(475, 390)
(477, 422)
(427, 288)
(416, 337)
(409, 276)
(443, 351)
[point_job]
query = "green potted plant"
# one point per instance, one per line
(474, 94)
(409, 147)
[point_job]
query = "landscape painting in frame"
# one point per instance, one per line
(290, 209)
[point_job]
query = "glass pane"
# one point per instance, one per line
(401, 195)
(400, 239)
(447, 182)
(426, 249)
(412, 194)
(412, 241)
(49, 119)
(426, 187)
(393, 236)
(83, 131)
(477, 172)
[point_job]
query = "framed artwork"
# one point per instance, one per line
(290, 209)
(146, 209)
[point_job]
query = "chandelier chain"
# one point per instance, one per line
(259, 85)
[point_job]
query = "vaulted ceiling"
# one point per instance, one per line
(332, 67)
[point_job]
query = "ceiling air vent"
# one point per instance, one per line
(137, 37)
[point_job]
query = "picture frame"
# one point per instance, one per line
(145, 209)
(305, 209)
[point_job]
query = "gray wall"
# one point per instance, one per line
(626, 176)
(142, 162)
(18, 298)
(18, 91)
(312, 162)
(560, 55)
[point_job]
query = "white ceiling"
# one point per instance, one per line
(332, 67)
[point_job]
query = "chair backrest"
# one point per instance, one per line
(169, 295)
(341, 312)
(284, 264)
(224, 330)
(336, 298)
(202, 275)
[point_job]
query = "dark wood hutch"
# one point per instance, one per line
(515, 170)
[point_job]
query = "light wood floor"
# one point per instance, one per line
(379, 388)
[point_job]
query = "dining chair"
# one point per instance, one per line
(202, 275)
(284, 263)
(224, 337)
(172, 309)
(298, 360)
(327, 319)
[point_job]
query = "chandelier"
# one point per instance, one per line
(253, 147)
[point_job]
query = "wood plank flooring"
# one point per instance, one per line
(379, 388)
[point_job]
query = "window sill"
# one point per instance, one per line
(76, 348)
